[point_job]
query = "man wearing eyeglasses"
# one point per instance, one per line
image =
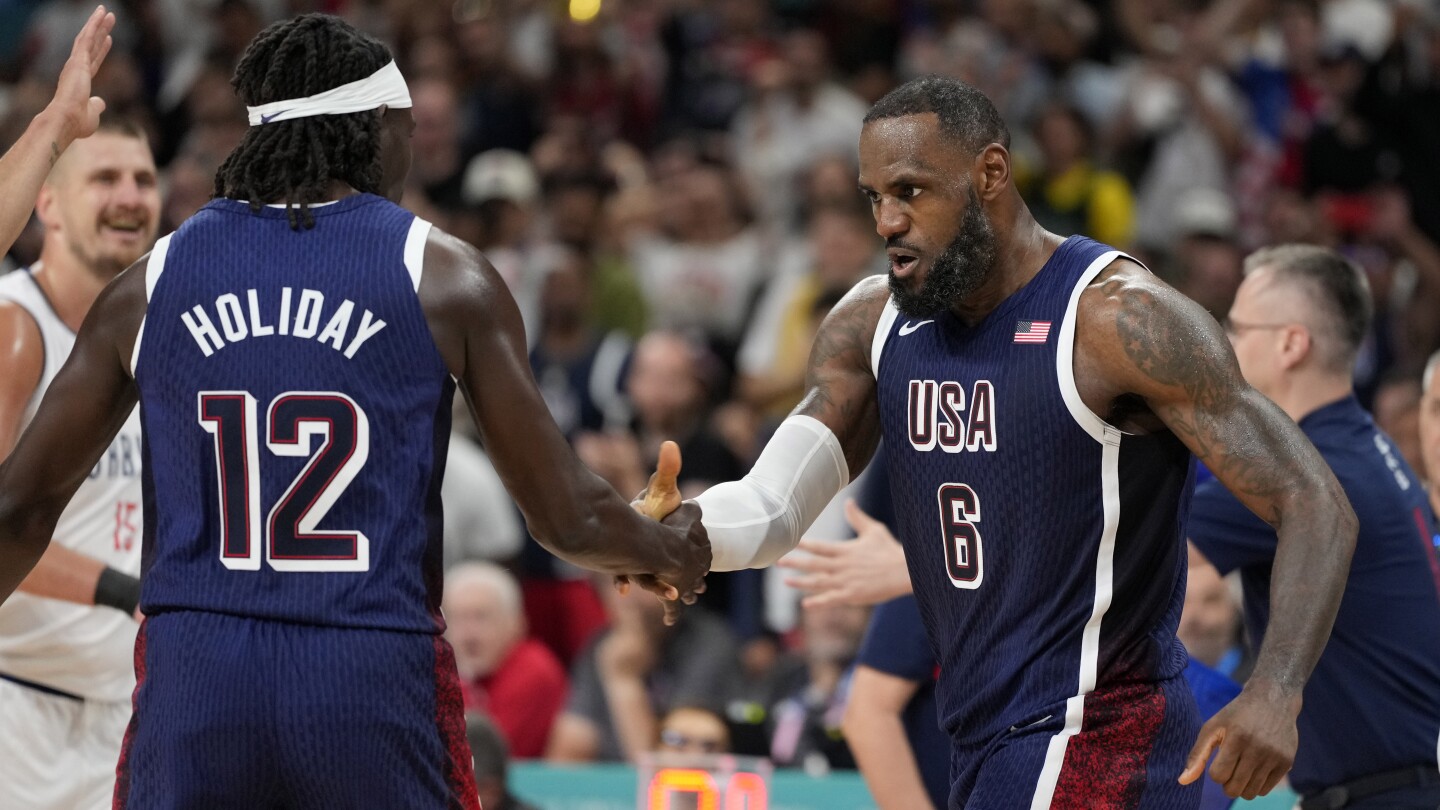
(1371, 716)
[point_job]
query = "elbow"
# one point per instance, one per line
(1348, 524)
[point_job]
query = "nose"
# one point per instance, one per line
(890, 221)
(129, 193)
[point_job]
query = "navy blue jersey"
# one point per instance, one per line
(296, 412)
(1373, 701)
(1044, 545)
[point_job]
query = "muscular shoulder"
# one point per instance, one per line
(1136, 335)
(455, 270)
(462, 295)
(22, 351)
(850, 326)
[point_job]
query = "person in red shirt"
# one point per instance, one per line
(517, 681)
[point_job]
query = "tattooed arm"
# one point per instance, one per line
(1138, 337)
(839, 383)
(826, 441)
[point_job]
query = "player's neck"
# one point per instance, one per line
(1307, 393)
(1435, 493)
(1020, 251)
(68, 284)
(335, 190)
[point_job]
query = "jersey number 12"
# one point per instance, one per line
(294, 422)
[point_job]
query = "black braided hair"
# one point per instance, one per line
(296, 160)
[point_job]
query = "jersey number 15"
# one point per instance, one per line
(295, 420)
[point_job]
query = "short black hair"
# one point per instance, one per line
(487, 748)
(1336, 287)
(965, 113)
(296, 160)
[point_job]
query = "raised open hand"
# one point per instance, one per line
(77, 110)
(864, 571)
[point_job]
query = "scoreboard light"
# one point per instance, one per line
(703, 782)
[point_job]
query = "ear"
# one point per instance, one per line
(1296, 344)
(992, 171)
(45, 207)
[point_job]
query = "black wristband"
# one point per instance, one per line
(118, 590)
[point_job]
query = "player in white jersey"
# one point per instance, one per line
(67, 641)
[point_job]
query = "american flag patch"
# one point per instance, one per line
(1032, 331)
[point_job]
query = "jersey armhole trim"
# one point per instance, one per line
(882, 333)
(1100, 430)
(415, 250)
(154, 266)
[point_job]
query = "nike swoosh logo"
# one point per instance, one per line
(265, 119)
(907, 327)
(1014, 729)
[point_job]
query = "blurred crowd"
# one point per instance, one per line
(669, 189)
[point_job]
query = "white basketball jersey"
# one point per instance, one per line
(85, 650)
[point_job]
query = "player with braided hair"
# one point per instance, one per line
(294, 348)
(299, 158)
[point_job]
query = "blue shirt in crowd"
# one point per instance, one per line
(1373, 702)
(895, 644)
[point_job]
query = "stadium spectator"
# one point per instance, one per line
(512, 679)
(796, 113)
(481, 522)
(1430, 433)
(1210, 621)
(805, 726)
(580, 368)
(487, 748)
(693, 730)
(637, 671)
(839, 251)
(1397, 414)
(1204, 260)
(706, 268)
(1067, 192)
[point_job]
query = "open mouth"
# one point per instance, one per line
(902, 262)
(126, 228)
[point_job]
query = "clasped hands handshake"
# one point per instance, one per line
(661, 501)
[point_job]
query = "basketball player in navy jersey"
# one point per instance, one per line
(1040, 399)
(294, 348)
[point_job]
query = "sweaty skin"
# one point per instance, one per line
(477, 330)
(1146, 359)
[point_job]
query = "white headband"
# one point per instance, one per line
(385, 86)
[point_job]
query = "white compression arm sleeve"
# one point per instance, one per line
(754, 521)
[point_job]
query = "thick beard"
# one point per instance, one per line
(955, 273)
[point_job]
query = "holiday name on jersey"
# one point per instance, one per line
(301, 321)
(937, 416)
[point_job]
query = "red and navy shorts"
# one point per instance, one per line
(235, 712)
(1128, 753)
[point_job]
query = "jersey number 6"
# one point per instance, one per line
(959, 512)
(296, 419)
